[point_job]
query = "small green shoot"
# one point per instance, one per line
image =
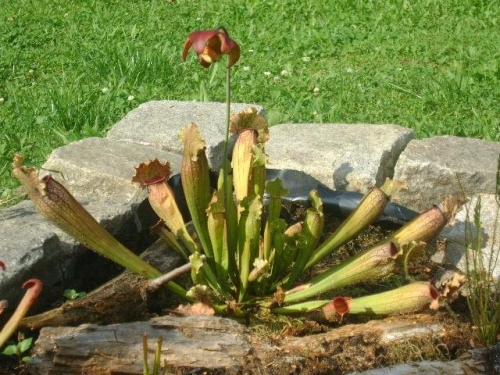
(19, 349)
(72, 294)
(157, 358)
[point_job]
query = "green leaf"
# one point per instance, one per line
(10, 350)
(25, 344)
(72, 294)
(26, 359)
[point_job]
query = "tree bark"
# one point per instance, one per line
(122, 299)
(220, 345)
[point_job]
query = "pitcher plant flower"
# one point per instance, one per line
(210, 45)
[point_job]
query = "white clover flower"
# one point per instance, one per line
(130, 98)
(246, 68)
(105, 90)
(267, 74)
(285, 73)
(349, 70)
(316, 90)
(2, 100)
(251, 50)
(306, 59)
(276, 79)
(31, 72)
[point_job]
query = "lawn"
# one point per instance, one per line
(71, 68)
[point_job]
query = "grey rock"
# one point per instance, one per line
(454, 252)
(344, 157)
(158, 123)
(433, 166)
(32, 247)
(101, 168)
(475, 361)
(425, 367)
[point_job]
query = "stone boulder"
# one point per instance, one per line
(455, 235)
(101, 168)
(352, 157)
(158, 123)
(32, 247)
(432, 168)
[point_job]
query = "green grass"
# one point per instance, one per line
(68, 68)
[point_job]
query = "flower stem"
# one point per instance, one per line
(228, 115)
(232, 235)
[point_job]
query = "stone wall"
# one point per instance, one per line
(353, 157)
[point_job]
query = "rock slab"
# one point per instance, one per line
(32, 247)
(455, 235)
(353, 157)
(101, 168)
(158, 123)
(432, 168)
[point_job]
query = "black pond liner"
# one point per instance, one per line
(338, 203)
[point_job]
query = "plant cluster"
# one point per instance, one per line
(242, 255)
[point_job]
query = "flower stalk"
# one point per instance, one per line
(227, 182)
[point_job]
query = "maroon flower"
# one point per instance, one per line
(210, 45)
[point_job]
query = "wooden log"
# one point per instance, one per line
(191, 342)
(220, 345)
(122, 299)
